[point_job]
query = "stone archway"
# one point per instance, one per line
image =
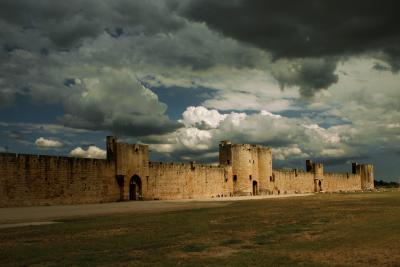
(318, 185)
(135, 188)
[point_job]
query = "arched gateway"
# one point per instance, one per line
(135, 188)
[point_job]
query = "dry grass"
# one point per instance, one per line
(322, 230)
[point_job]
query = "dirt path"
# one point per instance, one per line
(13, 217)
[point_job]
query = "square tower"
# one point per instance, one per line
(131, 166)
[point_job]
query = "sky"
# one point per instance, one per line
(311, 79)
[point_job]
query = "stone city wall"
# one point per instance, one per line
(127, 174)
(291, 182)
(186, 180)
(334, 182)
(27, 180)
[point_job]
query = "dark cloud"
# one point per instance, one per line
(148, 32)
(132, 126)
(341, 160)
(111, 67)
(380, 67)
(115, 101)
(67, 24)
(48, 46)
(310, 74)
(305, 28)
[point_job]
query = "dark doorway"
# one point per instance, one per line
(317, 185)
(135, 188)
(255, 189)
(120, 181)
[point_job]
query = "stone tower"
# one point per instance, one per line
(366, 172)
(131, 166)
(251, 167)
(318, 170)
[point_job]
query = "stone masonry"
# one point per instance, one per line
(127, 174)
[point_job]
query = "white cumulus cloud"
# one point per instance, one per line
(202, 117)
(162, 148)
(282, 153)
(194, 138)
(323, 134)
(47, 143)
(90, 152)
(290, 138)
(267, 113)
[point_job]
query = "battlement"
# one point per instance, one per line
(183, 165)
(341, 175)
(287, 170)
(114, 147)
(317, 168)
(17, 157)
(227, 143)
(250, 146)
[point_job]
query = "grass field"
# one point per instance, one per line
(323, 230)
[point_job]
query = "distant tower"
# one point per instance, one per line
(111, 147)
(225, 152)
(366, 172)
(264, 168)
(318, 170)
(367, 176)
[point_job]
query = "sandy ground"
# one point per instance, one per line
(23, 216)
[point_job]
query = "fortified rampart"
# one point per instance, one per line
(127, 174)
(187, 180)
(46, 180)
(291, 182)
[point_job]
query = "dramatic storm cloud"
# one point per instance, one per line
(307, 30)
(312, 79)
(115, 101)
